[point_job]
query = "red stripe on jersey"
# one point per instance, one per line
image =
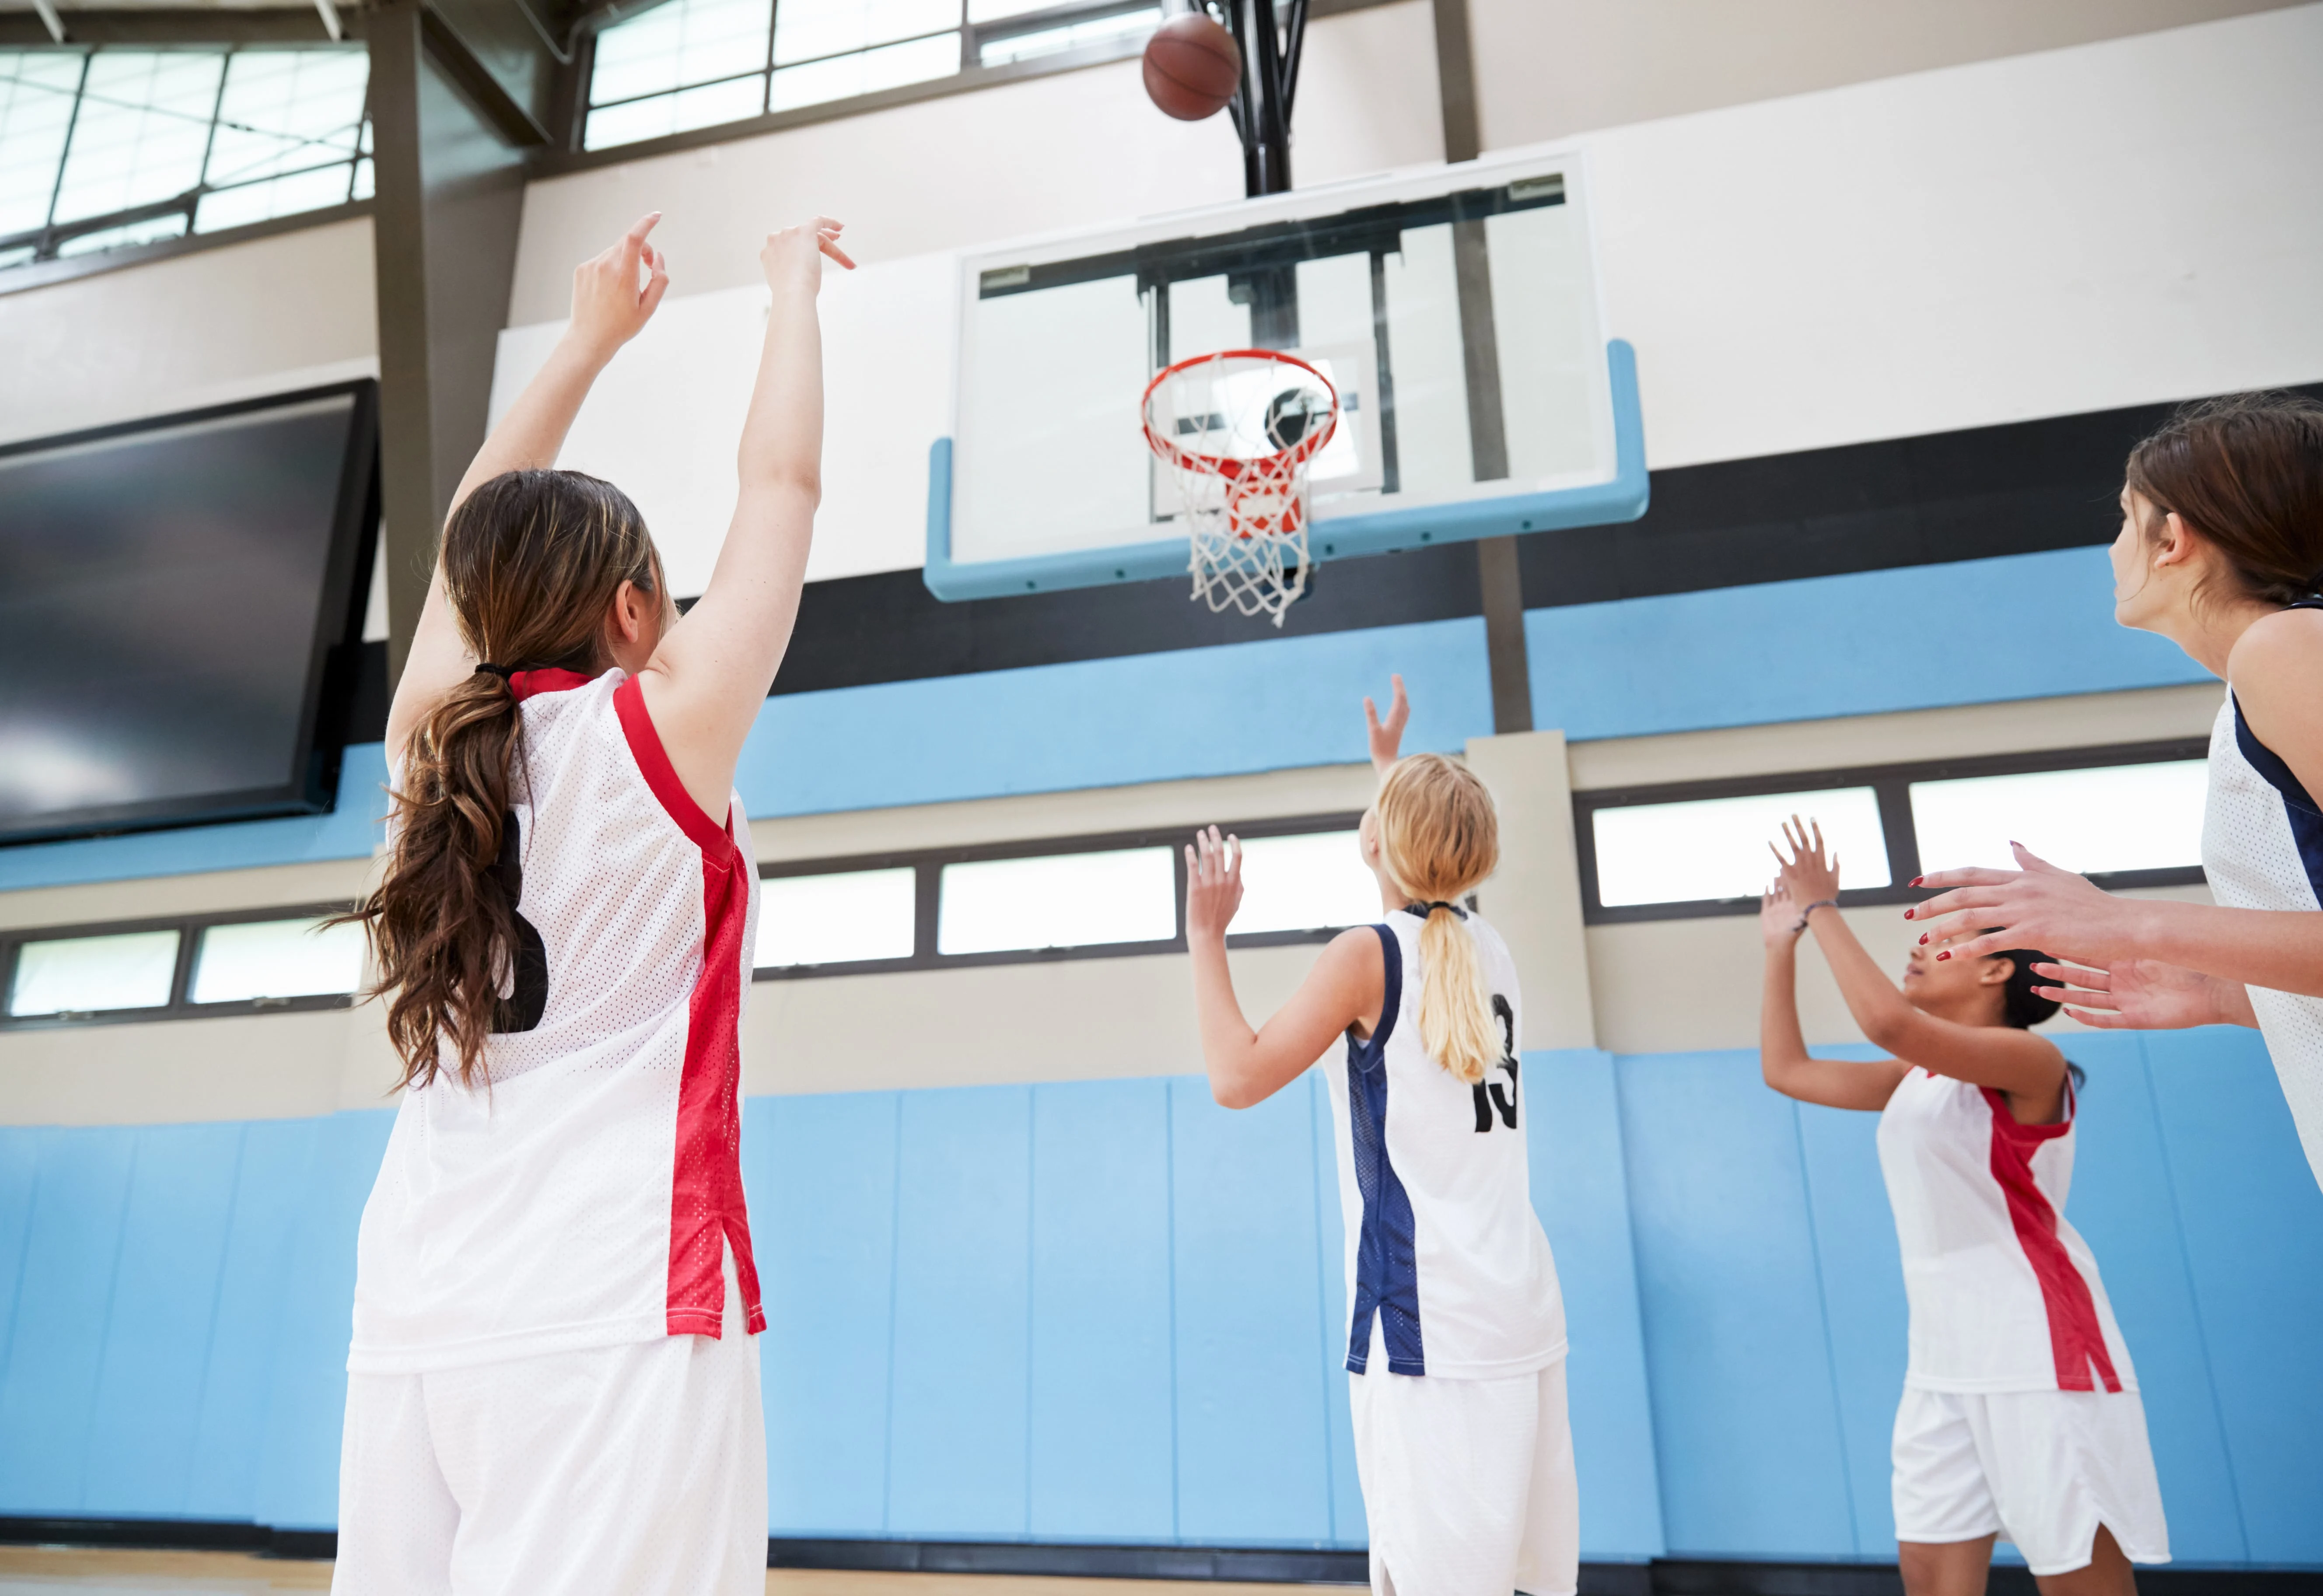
(706, 1207)
(527, 684)
(2076, 1340)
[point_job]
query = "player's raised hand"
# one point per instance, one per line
(2040, 906)
(611, 304)
(2143, 995)
(792, 256)
(1807, 876)
(1387, 736)
(1778, 916)
(1213, 884)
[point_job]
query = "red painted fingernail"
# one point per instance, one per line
(1942, 957)
(1917, 879)
(1907, 914)
(1923, 938)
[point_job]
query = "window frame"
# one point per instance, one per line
(1891, 784)
(180, 1005)
(47, 268)
(927, 864)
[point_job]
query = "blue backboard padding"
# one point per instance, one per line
(1243, 707)
(2019, 626)
(349, 831)
(1109, 1310)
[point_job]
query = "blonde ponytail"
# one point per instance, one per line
(1439, 838)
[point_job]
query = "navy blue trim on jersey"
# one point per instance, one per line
(2305, 819)
(1386, 1261)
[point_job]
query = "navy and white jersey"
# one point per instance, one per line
(2262, 848)
(1444, 1250)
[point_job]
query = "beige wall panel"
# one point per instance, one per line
(217, 892)
(178, 1071)
(1549, 67)
(1675, 985)
(1535, 896)
(202, 328)
(2025, 726)
(1079, 1019)
(1323, 789)
(1068, 151)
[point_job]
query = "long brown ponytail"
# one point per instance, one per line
(531, 562)
(2246, 472)
(1439, 837)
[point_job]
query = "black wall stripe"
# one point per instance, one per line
(2016, 489)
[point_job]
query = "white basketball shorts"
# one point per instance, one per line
(640, 1469)
(1467, 1484)
(2041, 1469)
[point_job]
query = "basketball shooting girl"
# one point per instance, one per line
(1455, 1332)
(2221, 551)
(553, 1386)
(2020, 1414)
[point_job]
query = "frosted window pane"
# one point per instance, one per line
(21, 255)
(275, 196)
(836, 918)
(1306, 883)
(36, 91)
(679, 45)
(2120, 817)
(81, 975)
(277, 959)
(866, 72)
(675, 113)
(993, 10)
(363, 188)
(1716, 847)
(172, 226)
(806, 29)
(1064, 900)
(144, 122)
(1105, 30)
(285, 111)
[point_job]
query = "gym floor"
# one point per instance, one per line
(27, 1570)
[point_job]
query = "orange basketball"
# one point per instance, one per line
(1192, 67)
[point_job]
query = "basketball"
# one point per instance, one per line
(1192, 66)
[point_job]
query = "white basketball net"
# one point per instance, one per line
(1237, 431)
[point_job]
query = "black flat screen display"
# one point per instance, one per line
(171, 594)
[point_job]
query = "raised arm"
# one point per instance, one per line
(1345, 988)
(1386, 736)
(2026, 1067)
(610, 305)
(709, 679)
(1782, 1056)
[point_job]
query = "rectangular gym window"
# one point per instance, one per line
(1314, 882)
(1058, 901)
(2105, 821)
(89, 975)
(1713, 848)
(845, 917)
(270, 961)
(1040, 37)
(104, 148)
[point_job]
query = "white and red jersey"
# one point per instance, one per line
(1444, 1250)
(586, 1191)
(2005, 1294)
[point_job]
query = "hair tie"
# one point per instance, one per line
(505, 672)
(1425, 910)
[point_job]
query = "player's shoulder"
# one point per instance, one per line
(2276, 666)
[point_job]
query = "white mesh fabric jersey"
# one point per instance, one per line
(1444, 1250)
(2005, 1295)
(581, 1194)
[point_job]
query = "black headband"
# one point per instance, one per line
(503, 671)
(1425, 910)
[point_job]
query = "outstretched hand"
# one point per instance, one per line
(790, 254)
(1387, 736)
(1807, 877)
(1778, 917)
(2143, 995)
(609, 304)
(1213, 884)
(2038, 906)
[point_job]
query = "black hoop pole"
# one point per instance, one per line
(1271, 48)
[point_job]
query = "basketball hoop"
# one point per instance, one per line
(1237, 430)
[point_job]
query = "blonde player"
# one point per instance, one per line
(2020, 1414)
(552, 1387)
(1456, 1332)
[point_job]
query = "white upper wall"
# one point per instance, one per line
(202, 328)
(1548, 69)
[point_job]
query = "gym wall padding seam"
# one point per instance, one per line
(175, 1321)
